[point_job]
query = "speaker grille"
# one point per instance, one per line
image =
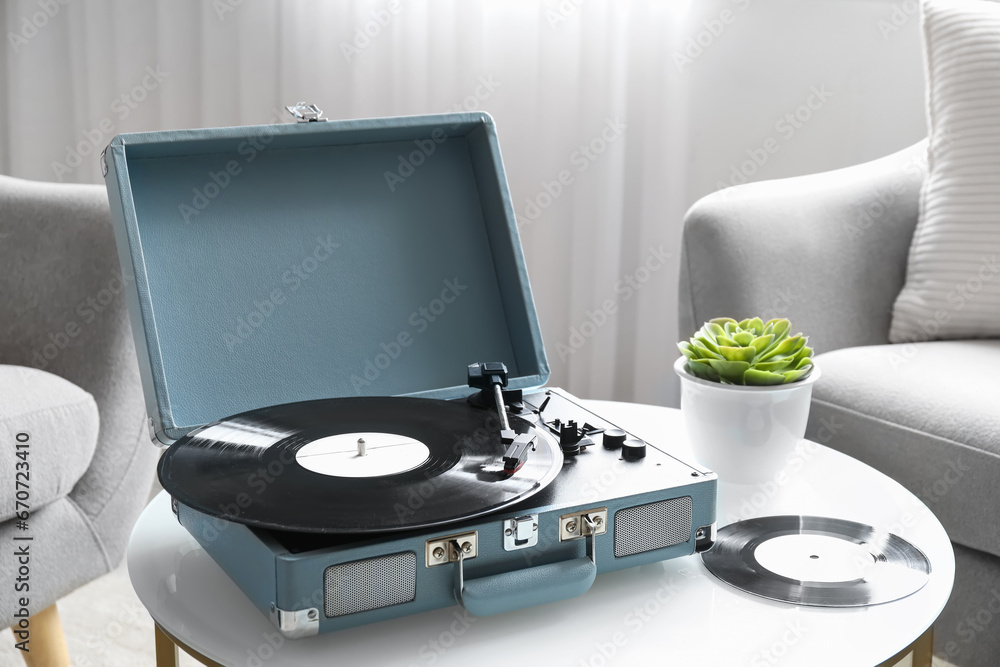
(653, 526)
(369, 584)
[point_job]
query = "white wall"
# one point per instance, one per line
(767, 64)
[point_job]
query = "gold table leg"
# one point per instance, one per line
(919, 652)
(923, 649)
(166, 649)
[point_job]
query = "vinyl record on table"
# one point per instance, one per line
(300, 467)
(817, 561)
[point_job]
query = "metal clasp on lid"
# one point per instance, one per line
(306, 113)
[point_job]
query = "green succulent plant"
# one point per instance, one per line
(747, 353)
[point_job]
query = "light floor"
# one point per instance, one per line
(105, 626)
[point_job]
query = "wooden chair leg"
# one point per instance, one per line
(166, 649)
(46, 641)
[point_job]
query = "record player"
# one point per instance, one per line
(338, 343)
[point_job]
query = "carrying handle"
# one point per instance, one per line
(509, 591)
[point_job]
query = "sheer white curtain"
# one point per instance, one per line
(586, 96)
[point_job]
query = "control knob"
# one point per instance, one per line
(614, 438)
(633, 450)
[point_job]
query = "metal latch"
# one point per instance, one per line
(704, 538)
(296, 624)
(577, 525)
(520, 532)
(306, 113)
(452, 548)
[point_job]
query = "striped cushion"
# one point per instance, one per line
(952, 285)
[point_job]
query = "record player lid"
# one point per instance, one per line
(280, 263)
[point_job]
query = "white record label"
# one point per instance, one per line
(820, 558)
(378, 455)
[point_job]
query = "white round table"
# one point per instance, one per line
(669, 613)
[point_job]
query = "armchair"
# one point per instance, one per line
(69, 380)
(829, 251)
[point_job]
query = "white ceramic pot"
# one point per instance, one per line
(744, 434)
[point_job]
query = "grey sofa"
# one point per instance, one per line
(829, 251)
(68, 378)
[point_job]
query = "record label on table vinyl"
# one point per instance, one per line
(355, 465)
(817, 561)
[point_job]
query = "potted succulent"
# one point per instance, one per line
(745, 393)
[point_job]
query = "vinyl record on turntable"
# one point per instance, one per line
(354, 465)
(817, 561)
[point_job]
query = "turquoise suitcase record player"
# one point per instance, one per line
(339, 347)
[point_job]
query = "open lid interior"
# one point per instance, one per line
(284, 263)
